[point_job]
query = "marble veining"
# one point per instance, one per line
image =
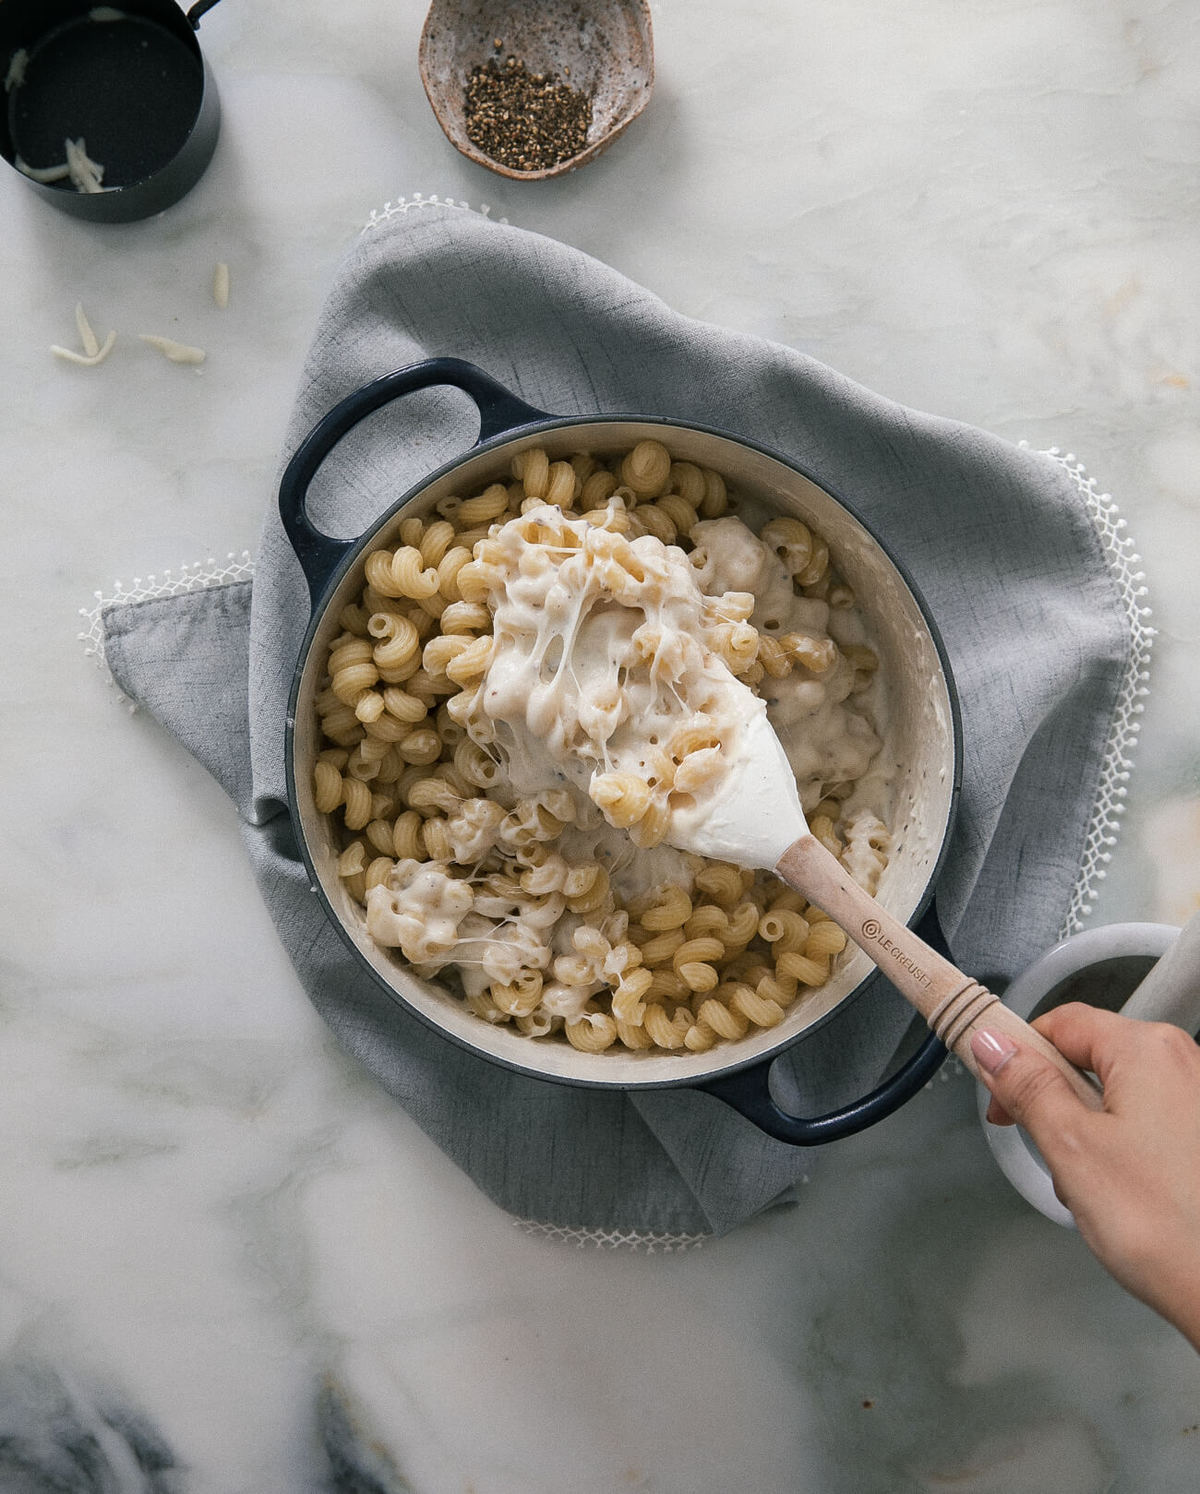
(228, 1264)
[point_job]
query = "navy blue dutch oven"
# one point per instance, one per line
(924, 734)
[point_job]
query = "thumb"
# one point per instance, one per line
(1026, 1087)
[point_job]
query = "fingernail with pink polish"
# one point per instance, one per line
(992, 1050)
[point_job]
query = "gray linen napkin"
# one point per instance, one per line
(998, 539)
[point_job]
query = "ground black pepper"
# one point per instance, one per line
(525, 121)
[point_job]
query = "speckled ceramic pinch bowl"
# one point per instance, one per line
(602, 47)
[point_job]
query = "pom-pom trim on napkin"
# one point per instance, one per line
(1117, 764)
(419, 200)
(612, 1239)
(201, 575)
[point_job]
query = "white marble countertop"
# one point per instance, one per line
(218, 1237)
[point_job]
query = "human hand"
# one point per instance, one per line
(1129, 1173)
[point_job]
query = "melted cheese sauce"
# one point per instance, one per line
(613, 658)
(827, 737)
(604, 662)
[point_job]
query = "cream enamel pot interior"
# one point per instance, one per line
(924, 734)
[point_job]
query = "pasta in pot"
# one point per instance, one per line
(532, 681)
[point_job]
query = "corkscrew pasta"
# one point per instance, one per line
(549, 898)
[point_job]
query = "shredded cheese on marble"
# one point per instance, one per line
(88, 360)
(176, 352)
(91, 345)
(94, 351)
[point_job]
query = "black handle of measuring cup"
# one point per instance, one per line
(749, 1092)
(320, 554)
(201, 8)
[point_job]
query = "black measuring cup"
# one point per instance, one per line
(111, 112)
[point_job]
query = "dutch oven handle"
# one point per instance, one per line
(320, 554)
(749, 1093)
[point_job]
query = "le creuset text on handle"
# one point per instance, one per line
(952, 1003)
